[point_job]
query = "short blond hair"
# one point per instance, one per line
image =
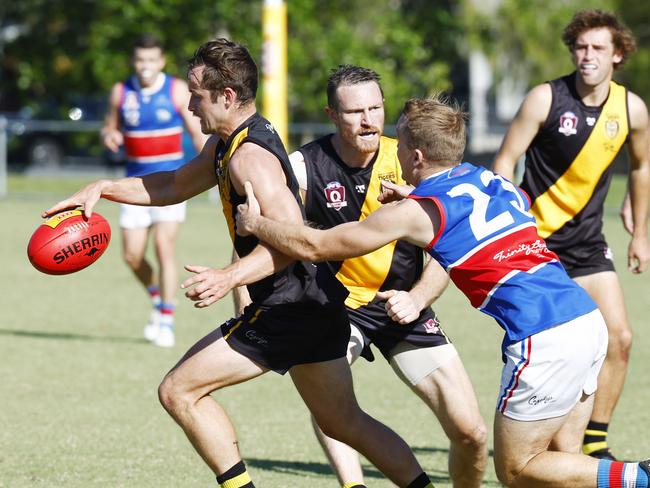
(435, 126)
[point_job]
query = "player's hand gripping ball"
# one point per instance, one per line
(68, 242)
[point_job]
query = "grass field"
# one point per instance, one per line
(78, 404)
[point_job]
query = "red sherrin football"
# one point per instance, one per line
(68, 242)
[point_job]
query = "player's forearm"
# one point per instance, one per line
(241, 297)
(155, 189)
(297, 241)
(263, 261)
(640, 198)
(430, 286)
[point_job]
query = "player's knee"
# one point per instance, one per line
(473, 438)
(620, 342)
(511, 472)
(506, 474)
(345, 431)
(171, 397)
(133, 260)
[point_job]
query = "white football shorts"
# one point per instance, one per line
(546, 374)
(138, 217)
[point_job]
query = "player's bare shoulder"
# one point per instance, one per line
(638, 111)
(251, 162)
(537, 103)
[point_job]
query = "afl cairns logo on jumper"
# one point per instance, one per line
(568, 123)
(335, 194)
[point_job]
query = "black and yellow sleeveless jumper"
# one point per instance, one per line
(569, 167)
(337, 193)
(299, 282)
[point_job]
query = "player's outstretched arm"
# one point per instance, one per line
(405, 220)
(164, 188)
(86, 198)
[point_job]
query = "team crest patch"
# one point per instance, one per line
(163, 115)
(568, 124)
(335, 194)
(611, 128)
(432, 326)
(131, 101)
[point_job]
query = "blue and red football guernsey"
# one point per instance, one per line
(153, 127)
(489, 245)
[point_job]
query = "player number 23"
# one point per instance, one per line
(481, 227)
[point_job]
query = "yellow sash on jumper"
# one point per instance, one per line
(573, 190)
(363, 275)
(225, 184)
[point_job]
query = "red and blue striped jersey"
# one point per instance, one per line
(153, 127)
(489, 244)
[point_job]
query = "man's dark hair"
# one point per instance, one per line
(147, 41)
(585, 20)
(346, 75)
(227, 64)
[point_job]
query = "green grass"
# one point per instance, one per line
(78, 384)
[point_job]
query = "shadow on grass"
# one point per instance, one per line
(67, 336)
(298, 468)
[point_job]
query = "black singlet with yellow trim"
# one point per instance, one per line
(337, 193)
(300, 282)
(569, 165)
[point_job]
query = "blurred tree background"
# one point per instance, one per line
(50, 49)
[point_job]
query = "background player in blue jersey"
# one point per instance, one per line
(146, 115)
(477, 225)
(571, 129)
(297, 321)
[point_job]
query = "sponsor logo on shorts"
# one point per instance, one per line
(568, 124)
(252, 336)
(432, 326)
(608, 253)
(535, 400)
